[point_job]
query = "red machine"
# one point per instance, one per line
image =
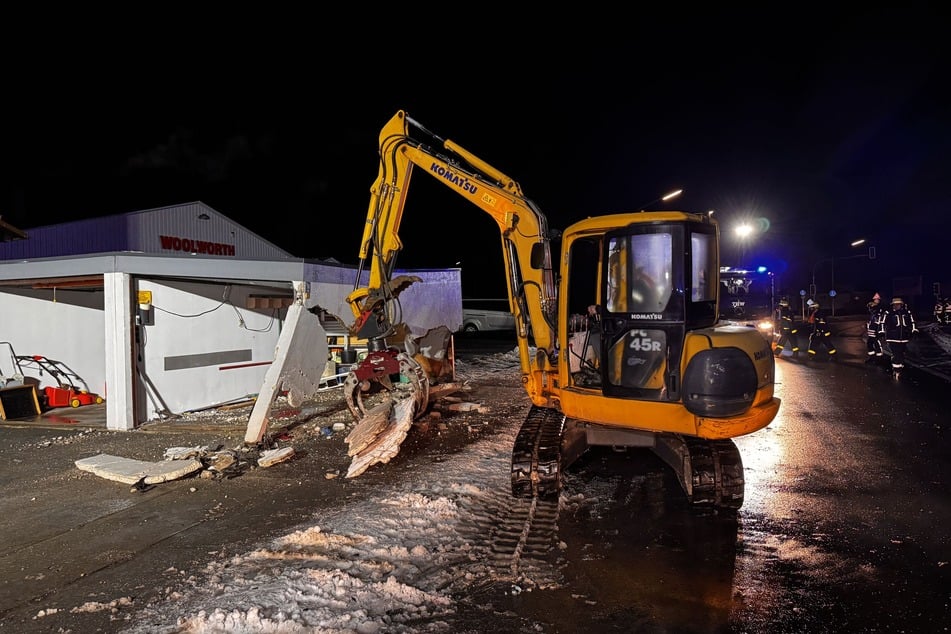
(72, 390)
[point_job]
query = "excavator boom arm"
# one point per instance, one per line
(523, 228)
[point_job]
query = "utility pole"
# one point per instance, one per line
(870, 255)
(832, 292)
(812, 288)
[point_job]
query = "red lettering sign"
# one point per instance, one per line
(172, 243)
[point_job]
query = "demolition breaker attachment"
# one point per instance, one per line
(389, 371)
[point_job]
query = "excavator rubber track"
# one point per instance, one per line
(716, 474)
(536, 455)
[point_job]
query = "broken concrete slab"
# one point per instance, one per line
(274, 456)
(131, 471)
(183, 453)
(299, 361)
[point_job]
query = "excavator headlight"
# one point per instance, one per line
(720, 382)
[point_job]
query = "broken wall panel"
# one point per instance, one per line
(433, 302)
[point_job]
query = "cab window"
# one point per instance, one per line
(640, 279)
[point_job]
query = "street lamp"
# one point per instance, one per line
(663, 199)
(832, 292)
(812, 289)
(743, 232)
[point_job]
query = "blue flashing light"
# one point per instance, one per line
(761, 269)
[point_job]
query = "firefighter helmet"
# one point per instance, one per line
(784, 302)
(897, 300)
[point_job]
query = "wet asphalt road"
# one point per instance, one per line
(844, 526)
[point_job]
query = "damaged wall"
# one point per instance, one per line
(203, 345)
(434, 302)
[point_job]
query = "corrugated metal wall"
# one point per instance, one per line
(196, 228)
(177, 230)
(100, 235)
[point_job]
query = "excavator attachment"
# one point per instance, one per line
(388, 390)
(377, 373)
(403, 387)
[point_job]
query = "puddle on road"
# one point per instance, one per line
(636, 558)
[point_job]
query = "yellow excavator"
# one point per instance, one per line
(619, 341)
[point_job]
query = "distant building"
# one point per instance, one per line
(193, 229)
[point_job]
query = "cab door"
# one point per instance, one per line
(659, 281)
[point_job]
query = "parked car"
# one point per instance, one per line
(486, 314)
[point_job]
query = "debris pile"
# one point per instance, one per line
(180, 462)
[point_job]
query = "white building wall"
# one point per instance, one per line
(204, 347)
(63, 325)
(434, 301)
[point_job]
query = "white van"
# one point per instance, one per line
(486, 314)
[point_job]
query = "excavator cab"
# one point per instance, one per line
(652, 297)
(656, 281)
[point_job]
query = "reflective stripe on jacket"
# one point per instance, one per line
(897, 325)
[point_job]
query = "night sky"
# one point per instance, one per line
(821, 127)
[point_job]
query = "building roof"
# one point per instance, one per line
(185, 229)
(9, 233)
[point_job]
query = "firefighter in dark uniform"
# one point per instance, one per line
(821, 335)
(898, 325)
(787, 330)
(874, 346)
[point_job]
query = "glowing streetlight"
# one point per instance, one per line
(743, 231)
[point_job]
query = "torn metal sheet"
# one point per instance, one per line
(133, 471)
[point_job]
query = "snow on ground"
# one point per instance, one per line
(391, 564)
